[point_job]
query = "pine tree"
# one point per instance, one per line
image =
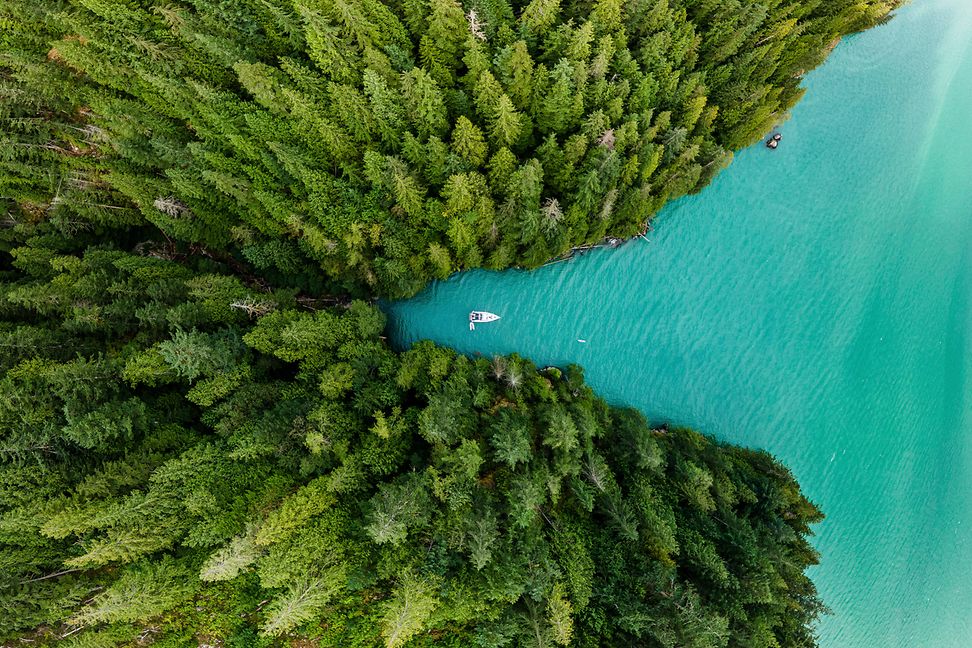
(507, 123)
(407, 612)
(140, 593)
(302, 602)
(424, 103)
(202, 436)
(468, 143)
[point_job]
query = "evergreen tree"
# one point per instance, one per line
(208, 447)
(199, 440)
(250, 130)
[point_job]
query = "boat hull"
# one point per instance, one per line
(479, 317)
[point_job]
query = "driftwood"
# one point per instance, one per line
(608, 242)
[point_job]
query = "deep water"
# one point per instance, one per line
(813, 301)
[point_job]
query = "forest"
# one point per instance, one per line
(206, 439)
(368, 146)
(187, 459)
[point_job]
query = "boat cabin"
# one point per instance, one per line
(481, 316)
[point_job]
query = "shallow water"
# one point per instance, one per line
(813, 301)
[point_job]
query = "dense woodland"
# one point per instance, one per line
(204, 439)
(375, 144)
(185, 459)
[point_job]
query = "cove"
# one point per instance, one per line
(813, 301)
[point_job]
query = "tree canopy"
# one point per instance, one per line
(186, 457)
(205, 438)
(388, 142)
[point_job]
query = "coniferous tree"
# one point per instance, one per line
(197, 443)
(203, 444)
(255, 130)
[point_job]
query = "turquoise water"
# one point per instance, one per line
(814, 301)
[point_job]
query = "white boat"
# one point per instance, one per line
(481, 317)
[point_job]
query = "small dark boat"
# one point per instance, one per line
(772, 143)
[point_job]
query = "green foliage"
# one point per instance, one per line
(376, 144)
(406, 613)
(141, 592)
(230, 561)
(191, 466)
(198, 446)
(303, 601)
